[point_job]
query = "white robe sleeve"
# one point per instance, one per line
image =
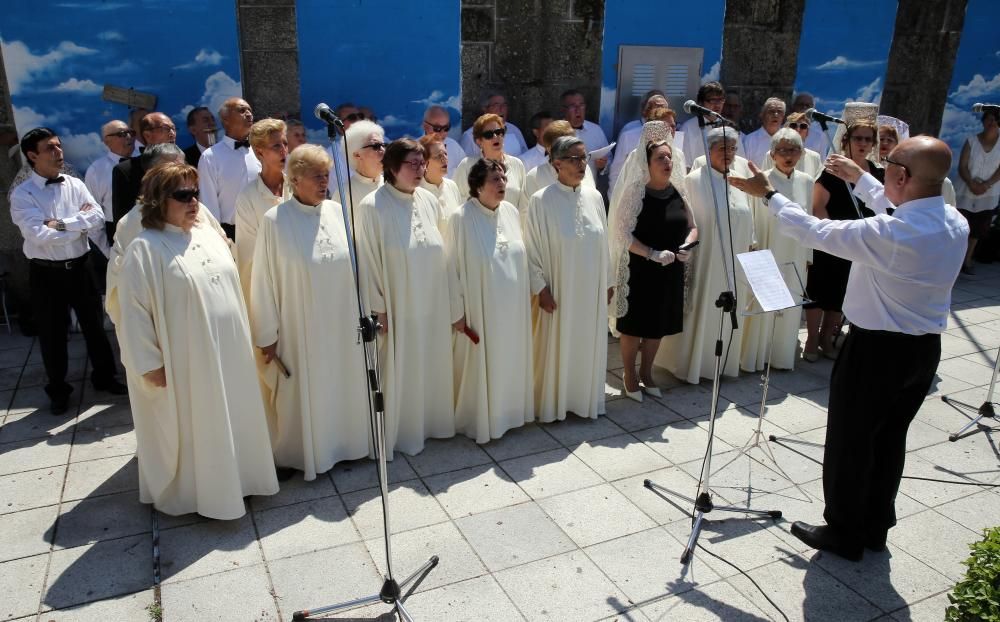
(264, 318)
(246, 238)
(207, 186)
(535, 243)
(371, 263)
(453, 248)
(140, 340)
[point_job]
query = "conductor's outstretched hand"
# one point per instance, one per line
(756, 185)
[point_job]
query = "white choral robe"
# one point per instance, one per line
(202, 440)
(694, 141)
(810, 163)
(303, 297)
(447, 194)
(361, 187)
(533, 157)
(567, 236)
(405, 274)
(690, 355)
(757, 328)
(455, 155)
(757, 145)
(541, 177)
(515, 178)
(493, 379)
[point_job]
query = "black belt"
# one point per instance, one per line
(65, 264)
(894, 335)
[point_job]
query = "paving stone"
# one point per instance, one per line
(717, 601)
(411, 505)
(103, 443)
(83, 574)
(976, 512)
(21, 584)
(34, 425)
(564, 587)
(127, 607)
(523, 441)
(689, 400)
(360, 474)
(619, 456)
(793, 414)
(34, 399)
(207, 548)
(679, 442)
(514, 535)
(474, 490)
(595, 514)
(632, 416)
(101, 477)
(935, 540)
(411, 549)
(955, 345)
(966, 370)
(441, 456)
(237, 594)
(304, 527)
(550, 473)
(30, 489)
(745, 390)
(481, 599)
(35, 453)
(296, 490)
(324, 577)
(104, 415)
(660, 506)
(574, 430)
(928, 610)
(26, 533)
(13, 357)
(735, 537)
(102, 518)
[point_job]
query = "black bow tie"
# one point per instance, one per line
(241, 143)
(124, 159)
(57, 180)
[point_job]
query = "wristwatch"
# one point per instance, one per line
(767, 197)
(60, 225)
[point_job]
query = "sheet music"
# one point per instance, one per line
(765, 280)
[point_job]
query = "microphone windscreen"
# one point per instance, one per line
(320, 111)
(687, 105)
(809, 114)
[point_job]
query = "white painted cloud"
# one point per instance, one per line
(204, 58)
(82, 149)
(978, 88)
(26, 118)
(110, 35)
(841, 63)
(713, 73)
(218, 88)
(437, 98)
(86, 87)
(871, 92)
(126, 66)
(23, 66)
(391, 120)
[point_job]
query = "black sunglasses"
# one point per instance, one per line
(121, 133)
(375, 146)
(355, 116)
(184, 195)
(889, 160)
(438, 128)
(490, 134)
(798, 126)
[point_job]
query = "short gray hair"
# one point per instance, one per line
(155, 154)
(561, 146)
(487, 96)
(357, 134)
(774, 101)
(786, 135)
(719, 134)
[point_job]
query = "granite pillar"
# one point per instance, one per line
(269, 56)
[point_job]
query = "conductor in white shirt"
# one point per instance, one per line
(228, 165)
(898, 300)
(54, 213)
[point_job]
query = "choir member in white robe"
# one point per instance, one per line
(757, 144)
(303, 311)
(811, 162)
(544, 175)
(202, 440)
(628, 138)
(574, 109)
(786, 152)
(435, 180)
(365, 142)
(437, 124)
(407, 283)
(690, 355)
(493, 379)
(570, 271)
(489, 131)
(536, 155)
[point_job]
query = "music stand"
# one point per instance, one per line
(984, 410)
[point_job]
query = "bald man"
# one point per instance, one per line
(898, 299)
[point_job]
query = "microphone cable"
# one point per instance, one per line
(748, 577)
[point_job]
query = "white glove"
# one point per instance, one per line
(662, 257)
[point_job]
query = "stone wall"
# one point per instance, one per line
(921, 59)
(532, 51)
(12, 261)
(760, 49)
(269, 56)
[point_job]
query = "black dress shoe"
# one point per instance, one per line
(59, 405)
(825, 538)
(111, 386)
(285, 473)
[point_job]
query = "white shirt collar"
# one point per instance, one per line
(38, 180)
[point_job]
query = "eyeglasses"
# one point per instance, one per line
(415, 164)
(715, 100)
(906, 170)
(184, 195)
(438, 128)
(862, 139)
(577, 159)
(490, 134)
(798, 126)
(574, 106)
(441, 157)
(787, 151)
(170, 129)
(120, 134)
(355, 116)
(375, 146)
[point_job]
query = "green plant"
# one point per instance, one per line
(977, 596)
(155, 612)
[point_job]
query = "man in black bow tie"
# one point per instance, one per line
(228, 165)
(54, 213)
(155, 128)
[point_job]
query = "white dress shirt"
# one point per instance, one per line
(593, 137)
(223, 171)
(815, 139)
(533, 157)
(33, 202)
(455, 155)
(757, 144)
(904, 265)
(694, 143)
(98, 180)
(513, 142)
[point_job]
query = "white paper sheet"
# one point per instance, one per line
(597, 154)
(765, 280)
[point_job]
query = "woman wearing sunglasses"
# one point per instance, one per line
(202, 437)
(489, 131)
(365, 145)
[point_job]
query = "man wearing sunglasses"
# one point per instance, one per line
(126, 177)
(120, 141)
(898, 300)
(513, 140)
(437, 123)
(228, 165)
(54, 213)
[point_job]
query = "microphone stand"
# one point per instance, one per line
(829, 150)
(726, 304)
(985, 409)
(391, 592)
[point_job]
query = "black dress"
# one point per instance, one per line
(656, 293)
(826, 283)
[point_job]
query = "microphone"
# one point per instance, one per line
(815, 115)
(692, 108)
(981, 107)
(324, 114)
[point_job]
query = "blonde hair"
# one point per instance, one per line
(158, 184)
(556, 129)
(307, 158)
(261, 130)
(483, 121)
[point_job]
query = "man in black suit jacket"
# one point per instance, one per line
(201, 124)
(126, 177)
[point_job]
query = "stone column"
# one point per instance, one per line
(921, 60)
(269, 56)
(760, 51)
(12, 260)
(531, 50)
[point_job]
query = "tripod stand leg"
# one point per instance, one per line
(404, 615)
(421, 573)
(350, 604)
(693, 538)
(957, 435)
